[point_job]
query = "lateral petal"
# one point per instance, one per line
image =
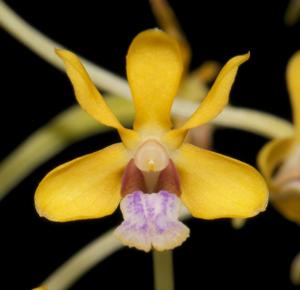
(216, 186)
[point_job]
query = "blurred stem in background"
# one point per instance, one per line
(292, 13)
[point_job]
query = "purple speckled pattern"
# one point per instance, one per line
(151, 221)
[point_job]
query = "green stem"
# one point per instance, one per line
(257, 122)
(260, 123)
(163, 270)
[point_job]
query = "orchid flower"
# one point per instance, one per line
(279, 160)
(152, 172)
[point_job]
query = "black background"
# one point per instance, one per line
(32, 92)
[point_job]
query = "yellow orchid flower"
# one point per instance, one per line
(279, 160)
(41, 288)
(152, 172)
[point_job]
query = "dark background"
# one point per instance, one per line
(32, 92)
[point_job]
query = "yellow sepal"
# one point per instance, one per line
(154, 68)
(215, 101)
(90, 99)
(293, 84)
(284, 196)
(288, 205)
(272, 154)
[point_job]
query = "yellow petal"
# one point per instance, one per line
(295, 269)
(288, 204)
(213, 103)
(293, 83)
(168, 22)
(84, 188)
(216, 186)
(285, 196)
(90, 99)
(272, 154)
(154, 69)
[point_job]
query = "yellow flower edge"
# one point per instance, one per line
(279, 153)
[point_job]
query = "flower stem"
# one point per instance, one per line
(89, 256)
(261, 123)
(163, 270)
